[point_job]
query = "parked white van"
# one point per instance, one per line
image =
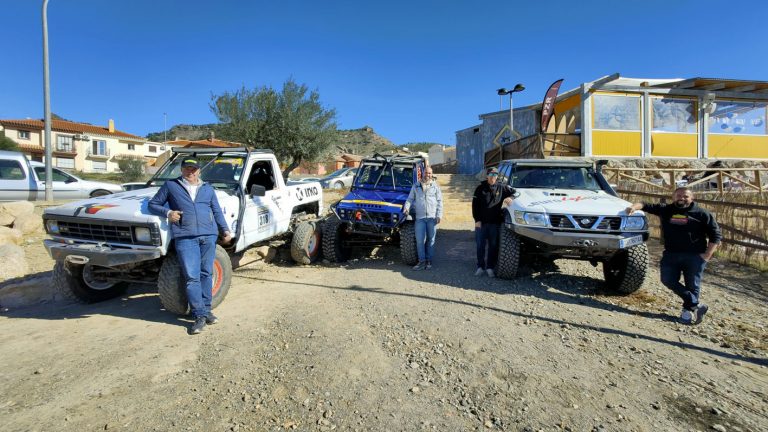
(24, 180)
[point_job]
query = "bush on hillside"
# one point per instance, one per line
(132, 167)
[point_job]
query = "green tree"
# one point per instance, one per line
(7, 143)
(291, 122)
(132, 167)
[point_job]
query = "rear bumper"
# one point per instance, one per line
(98, 255)
(581, 240)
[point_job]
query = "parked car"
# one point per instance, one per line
(339, 179)
(134, 186)
(24, 180)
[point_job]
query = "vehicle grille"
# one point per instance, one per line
(606, 223)
(96, 232)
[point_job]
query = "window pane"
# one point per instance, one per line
(617, 112)
(674, 115)
(11, 170)
(57, 175)
(65, 163)
(99, 166)
(747, 118)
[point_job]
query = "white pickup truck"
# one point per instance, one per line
(566, 209)
(103, 243)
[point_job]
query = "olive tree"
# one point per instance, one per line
(291, 122)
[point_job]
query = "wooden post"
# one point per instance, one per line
(759, 181)
(720, 182)
(672, 183)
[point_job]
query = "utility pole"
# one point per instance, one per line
(165, 128)
(47, 109)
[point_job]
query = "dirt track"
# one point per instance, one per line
(373, 345)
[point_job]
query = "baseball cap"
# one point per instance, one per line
(190, 162)
(493, 171)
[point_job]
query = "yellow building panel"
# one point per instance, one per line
(674, 145)
(568, 103)
(616, 143)
(738, 146)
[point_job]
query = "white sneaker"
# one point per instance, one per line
(686, 316)
(479, 272)
(490, 273)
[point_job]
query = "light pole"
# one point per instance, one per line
(47, 108)
(165, 128)
(501, 92)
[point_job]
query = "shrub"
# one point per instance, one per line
(132, 167)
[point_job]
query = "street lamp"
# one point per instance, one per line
(501, 92)
(47, 108)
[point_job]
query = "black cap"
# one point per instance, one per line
(492, 170)
(190, 162)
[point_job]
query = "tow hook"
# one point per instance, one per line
(77, 259)
(585, 243)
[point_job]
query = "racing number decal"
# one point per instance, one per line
(263, 215)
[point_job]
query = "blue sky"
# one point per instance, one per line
(412, 70)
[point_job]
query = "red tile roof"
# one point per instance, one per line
(67, 126)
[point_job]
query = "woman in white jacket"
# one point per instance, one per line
(426, 201)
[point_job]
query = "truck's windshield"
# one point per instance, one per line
(384, 176)
(222, 172)
(554, 178)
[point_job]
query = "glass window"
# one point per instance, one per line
(64, 143)
(152, 149)
(24, 135)
(674, 115)
(11, 170)
(99, 147)
(65, 163)
(131, 146)
(58, 175)
(617, 112)
(744, 118)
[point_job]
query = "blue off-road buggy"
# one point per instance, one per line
(371, 214)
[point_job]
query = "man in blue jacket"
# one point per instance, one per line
(196, 220)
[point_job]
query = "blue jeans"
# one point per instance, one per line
(691, 265)
(487, 234)
(426, 229)
(196, 256)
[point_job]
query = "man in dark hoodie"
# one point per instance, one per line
(487, 202)
(691, 236)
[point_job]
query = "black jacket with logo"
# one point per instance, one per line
(486, 202)
(685, 229)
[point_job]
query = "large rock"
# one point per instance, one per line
(29, 224)
(6, 219)
(18, 208)
(10, 236)
(14, 262)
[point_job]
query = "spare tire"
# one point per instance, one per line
(306, 243)
(171, 286)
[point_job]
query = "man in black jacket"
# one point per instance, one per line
(486, 211)
(691, 236)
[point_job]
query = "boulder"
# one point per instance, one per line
(18, 208)
(6, 219)
(14, 262)
(10, 236)
(29, 224)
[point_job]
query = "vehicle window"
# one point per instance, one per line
(58, 175)
(368, 175)
(403, 176)
(261, 174)
(11, 170)
(222, 172)
(338, 172)
(557, 177)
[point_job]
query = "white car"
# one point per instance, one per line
(24, 180)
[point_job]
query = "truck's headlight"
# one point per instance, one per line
(533, 219)
(143, 235)
(635, 223)
(52, 226)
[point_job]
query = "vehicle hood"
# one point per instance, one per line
(569, 201)
(125, 206)
(361, 197)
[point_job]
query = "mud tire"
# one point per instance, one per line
(626, 271)
(171, 286)
(509, 254)
(68, 281)
(306, 244)
(333, 241)
(408, 251)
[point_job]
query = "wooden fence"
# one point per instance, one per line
(718, 180)
(537, 146)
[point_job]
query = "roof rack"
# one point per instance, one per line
(188, 150)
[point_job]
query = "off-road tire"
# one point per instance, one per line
(408, 251)
(68, 281)
(509, 254)
(338, 185)
(626, 270)
(306, 244)
(333, 241)
(171, 286)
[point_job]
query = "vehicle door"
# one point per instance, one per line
(268, 215)
(65, 186)
(16, 182)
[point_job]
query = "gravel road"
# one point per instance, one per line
(375, 346)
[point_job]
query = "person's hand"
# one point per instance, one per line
(174, 216)
(705, 256)
(437, 221)
(478, 224)
(630, 210)
(507, 202)
(227, 237)
(405, 211)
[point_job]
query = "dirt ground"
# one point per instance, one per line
(375, 346)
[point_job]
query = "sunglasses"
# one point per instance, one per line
(493, 174)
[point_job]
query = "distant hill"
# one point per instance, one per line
(421, 146)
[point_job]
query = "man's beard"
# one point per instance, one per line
(680, 204)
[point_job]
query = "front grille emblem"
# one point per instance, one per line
(585, 221)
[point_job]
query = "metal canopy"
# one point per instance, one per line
(718, 85)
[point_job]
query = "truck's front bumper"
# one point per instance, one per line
(581, 239)
(98, 255)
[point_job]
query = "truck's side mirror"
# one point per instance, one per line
(258, 190)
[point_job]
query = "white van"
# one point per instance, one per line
(24, 180)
